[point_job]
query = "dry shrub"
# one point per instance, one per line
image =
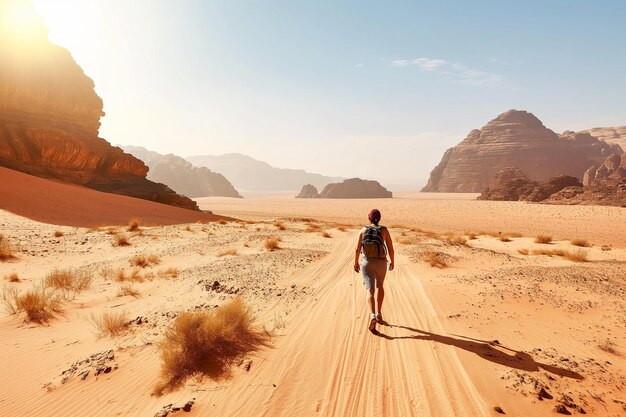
(504, 238)
(470, 235)
(13, 277)
(120, 239)
(128, 290)
(326, 234)
(583, 243)
(271, 243)
(169, 273)
(545, 239)
(231, 252)
(609, 346)
(58, 233)
(7, 250)
(111, 230)
(577, 255)
(605, 248)
(143, 261)
(133, 225)
(208, 344)
(39, 304)
(135, 275)
(280, 225)
(111, 324)
(312, 227)
(68, 281)
(221, 221)
(434, 259)
(188, 228)
(523, 251)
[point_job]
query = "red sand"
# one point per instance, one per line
(65, 204)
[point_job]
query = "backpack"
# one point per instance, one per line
(372, 244)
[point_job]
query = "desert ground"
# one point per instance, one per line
(480, 318)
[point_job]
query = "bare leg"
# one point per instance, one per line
(379, 298)
(369, 296)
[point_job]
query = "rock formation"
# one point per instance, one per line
(181, 176)
(615, 135)
(515, 139)
(50, 117)
(249, 174)
(511, 184)
(355, 188)
(308, 191)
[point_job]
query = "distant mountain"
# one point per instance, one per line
(181, 176)
(615, 134)
(249, 174)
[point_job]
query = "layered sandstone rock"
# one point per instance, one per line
(355, 188)
(615, 135)
(50, 117)
(308, 191)
(511, 184)
(515, 139)
(181, 176)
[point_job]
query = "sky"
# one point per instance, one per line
(348, 88)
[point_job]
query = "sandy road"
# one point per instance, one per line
(327, 363)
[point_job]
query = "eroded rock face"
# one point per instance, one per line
(515, 139)
(308, 191)
(511, 184)
(50, 117)
(615, 135)
(355, 188)
(181, 176)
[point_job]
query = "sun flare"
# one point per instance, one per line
(19, 21)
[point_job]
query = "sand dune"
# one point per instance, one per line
(491, 330)
(71, 205)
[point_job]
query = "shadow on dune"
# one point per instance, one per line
(486, 350)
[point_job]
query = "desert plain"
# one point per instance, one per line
(480, 318)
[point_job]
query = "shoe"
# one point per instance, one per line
(379, 318)
(372, 326)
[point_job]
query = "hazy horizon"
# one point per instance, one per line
(328, 89)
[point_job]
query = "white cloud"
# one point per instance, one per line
(400, 62)
(429, 64)
(452, 71)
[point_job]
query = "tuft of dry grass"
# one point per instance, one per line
(577, 255)
(545, 239)
(434, 259)
(169, 273)
(523, 251)
(39, 305)
(58, 233)
(271, 243)
(128, 290)
(208, 344)
(7, 250)
(504, 238)
(280, 225)
(133, 225)
(222, 221)
(605, 248)
(609, 346)
(188, 228)
(326, 234)
(470, 235)
(231, 252)
(135, 275)
(68, 281)
(143, 261)
(13, 277)
(111, 324)
(120, 239)
(583, 243)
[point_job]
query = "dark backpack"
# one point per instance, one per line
(373, 244)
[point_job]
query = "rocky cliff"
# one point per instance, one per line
(50, 117)
(512, 184)
(181, 176)
(615, 135)
(515, 139)
(355, 188)
(308, 191)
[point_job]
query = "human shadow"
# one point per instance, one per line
(486, 350)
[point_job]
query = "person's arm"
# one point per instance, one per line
(357, 252)
(389, 244)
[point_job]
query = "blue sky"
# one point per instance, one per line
(327, 85)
